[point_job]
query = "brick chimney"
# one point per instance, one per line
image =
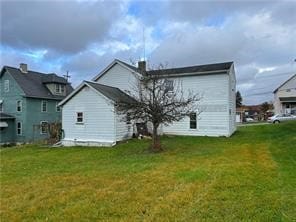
(142, 67)
(24, 68)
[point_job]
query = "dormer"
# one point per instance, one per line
(55, 84)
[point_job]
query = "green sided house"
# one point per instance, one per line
(28, 103)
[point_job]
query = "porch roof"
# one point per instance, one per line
(288, 99)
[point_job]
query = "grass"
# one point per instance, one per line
(248, 177)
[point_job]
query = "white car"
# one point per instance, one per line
(249, 119)
(281, 118)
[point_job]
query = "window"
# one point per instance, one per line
(58, 89)
(169, 85)
(79, 117)
(43, 127)
(19, 128)
(62, 88)
(193, 121)
(58, 108)
(43, 106)
(18, 106)
(6, 86)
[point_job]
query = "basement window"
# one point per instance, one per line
(79, 117)
(193, 124)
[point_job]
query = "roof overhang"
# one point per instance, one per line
(288, 99)
(3, 124)
(216, 72)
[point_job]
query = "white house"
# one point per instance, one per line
(101, 125)
(285, 97)
(89, 117)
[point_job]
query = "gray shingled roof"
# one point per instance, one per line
(201, 69)
(112, 93)
(193, 69)
(33, 83)
(6, 116)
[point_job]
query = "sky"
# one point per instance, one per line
(83, 37)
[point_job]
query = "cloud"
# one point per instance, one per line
(63, 26)
(85, 36)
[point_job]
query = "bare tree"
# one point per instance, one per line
(159, 99)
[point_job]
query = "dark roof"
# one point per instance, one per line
(112, 93)
(53, 78)
(202, 69)
(284, 83)
(33, 83)
(6, 116)
(288, 99)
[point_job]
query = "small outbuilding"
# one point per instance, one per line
(89, 116)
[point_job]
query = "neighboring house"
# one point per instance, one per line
(215, 82)
(250, 111)
(28, 103)
(285, 97)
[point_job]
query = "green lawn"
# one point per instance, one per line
(248, 177)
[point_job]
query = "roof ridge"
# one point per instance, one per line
(219, 63)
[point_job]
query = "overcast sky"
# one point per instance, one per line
(83, 37)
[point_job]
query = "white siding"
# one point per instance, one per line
(123, 130)
(214, 118)
(119, 77)
(99, 121)
(232, 101)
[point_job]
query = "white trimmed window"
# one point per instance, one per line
(79, 117)
(169, 85)
(58, 88)
(43, 127)
(58, 108)
(6, 85)
(193, 121)
(62, 89)
(19, 128)
(18, 106)
(43, 106)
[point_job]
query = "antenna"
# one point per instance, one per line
(144, 46)
(67, 76)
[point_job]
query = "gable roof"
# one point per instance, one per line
(114, 62)
(284, 83)
(110, 92)
(198, 69)
(216, 68)
(33, 83)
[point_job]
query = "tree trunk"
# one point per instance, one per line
(156, 147)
